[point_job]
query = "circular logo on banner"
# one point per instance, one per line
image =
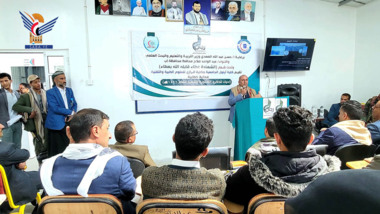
(151, 43)
(244, 46)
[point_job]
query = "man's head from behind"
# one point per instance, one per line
(270, 128)
(192, 136)
(196, 6)
(90, 126)
(293, 128)
(345, 97)
(125, 132)
(350, 110)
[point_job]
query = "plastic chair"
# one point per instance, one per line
(217, 157)
(165, 206)
(354, 152)
(137, 166)
(8, 193)
(70, 204)
(266, 203)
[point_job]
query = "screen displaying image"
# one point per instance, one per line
(288, 54)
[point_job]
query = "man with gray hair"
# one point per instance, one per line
(61, 107)
(174, 13)
(247, 14)
(233, 9)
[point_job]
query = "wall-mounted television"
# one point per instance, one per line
(283, 54)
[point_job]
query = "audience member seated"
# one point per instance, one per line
(125, 134)
(263, 143)
(23, 185)
(333, 114)
(88, 166)
(374, 128)
(368, 108)
(184, 178)
(346, 191)
(288, 171)
(349, 130)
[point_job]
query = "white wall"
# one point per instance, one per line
(367, 73)
(110, 56)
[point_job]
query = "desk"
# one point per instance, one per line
(357, 164)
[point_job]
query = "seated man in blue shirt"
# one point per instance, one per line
(332, 117)
(88, 166)
(374, 128)
(349, 130)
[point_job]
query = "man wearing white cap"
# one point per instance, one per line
(34, 107)
(61, 107)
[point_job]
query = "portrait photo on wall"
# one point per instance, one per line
(139, 7)
(156, 8)
(103, 7)
(233, 11)
(121, 7)
(218, 10)
(247, 11)
(174, 10)
(197, 12)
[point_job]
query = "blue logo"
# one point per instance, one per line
(244, 46)
(151, 42)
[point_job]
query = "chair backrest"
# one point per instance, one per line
(6, 189)
(217, 157)
(377, 151)
(320, 149)
(137, 166)
(354, 152)
(164, 206)
(267, 203)
(70, 204)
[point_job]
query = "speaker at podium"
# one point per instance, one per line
(291, 90)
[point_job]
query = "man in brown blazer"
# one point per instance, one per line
(125, 134)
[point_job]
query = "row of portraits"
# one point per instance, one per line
(195, 12)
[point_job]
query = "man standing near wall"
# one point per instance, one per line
(10, 123)
(34, 103)
(61, 108)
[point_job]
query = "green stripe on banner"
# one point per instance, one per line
(147, 92)
(149, 82)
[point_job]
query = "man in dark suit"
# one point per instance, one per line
(247, 14)
(10, 124)
(23, 185)
(125, 134)
(218, 13)
(374, 128)
(61, 107)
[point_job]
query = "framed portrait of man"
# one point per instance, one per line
(156, 8)
(197, 12)
(103, 7)
(218, 10)
(233, 11)
(139, 7)
(121, 7)
(174, 10)
(247, 11)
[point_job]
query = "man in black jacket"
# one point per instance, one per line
(288, 171)
(23, 185)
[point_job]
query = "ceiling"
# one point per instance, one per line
(351, 3)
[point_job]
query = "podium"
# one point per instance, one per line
(249, 124)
